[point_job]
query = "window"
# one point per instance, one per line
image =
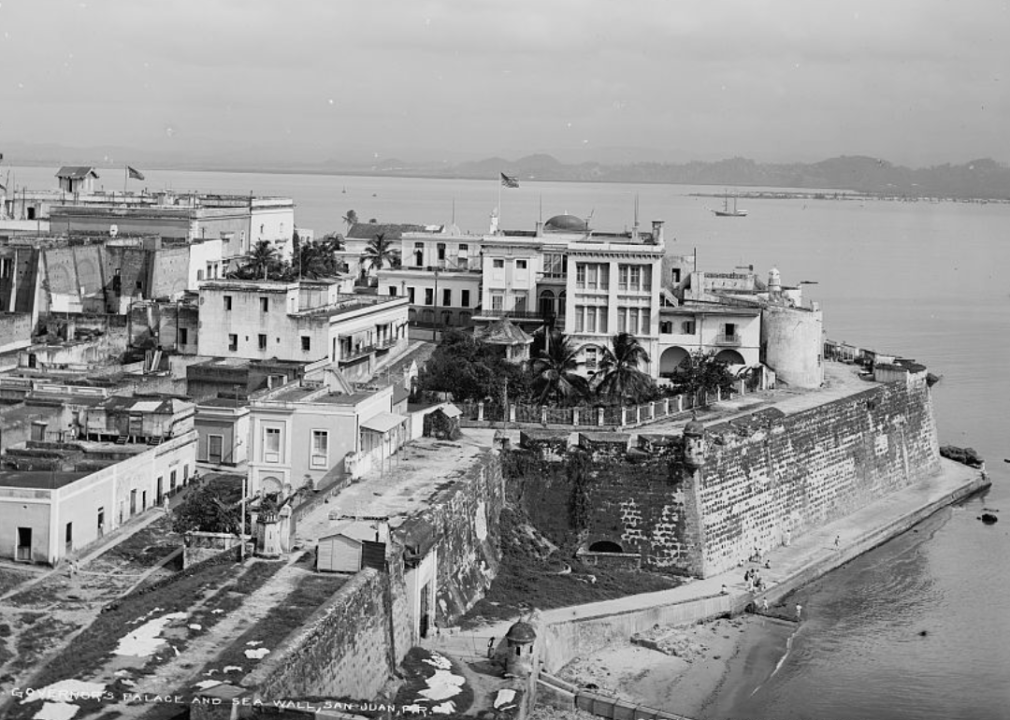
(262, 342)
(233, 342)
(419, 254)
(392, 291)
(645, 318)
(264, 304)
(306, 343)
(464, 298)
(591, 319)
(635, 277)
(199, 275)
(580, 275)
(591, 357)
(6, 267)
(498, 263)
(441, 251)
(580, 313)
(497, 301)
(666, 327)
(429, 296)
(227, 302)
(410, 295)
(447, 297)
(320, 451)
(687, 327)
(463, 251)
(622, 319)
(271, 444)
(622, 277)
(184, 336)
(520, 264)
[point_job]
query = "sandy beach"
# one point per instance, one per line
(704, 671)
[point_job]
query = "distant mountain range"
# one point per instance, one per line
(983, 179)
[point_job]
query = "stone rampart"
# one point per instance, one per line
(768, 481)
(343, 650)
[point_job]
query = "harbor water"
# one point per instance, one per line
(915, 629)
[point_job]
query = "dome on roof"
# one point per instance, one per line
(566, 223)
(694, 428)
(521, 632)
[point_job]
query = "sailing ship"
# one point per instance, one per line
(726, 211)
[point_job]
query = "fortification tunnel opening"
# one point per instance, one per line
(606, 546)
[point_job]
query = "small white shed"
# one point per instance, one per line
(342, 550)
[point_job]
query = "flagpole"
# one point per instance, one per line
(500, 183)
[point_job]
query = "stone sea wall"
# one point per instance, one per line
(771, 479)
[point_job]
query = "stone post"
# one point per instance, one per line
(512, 413)
(543, 414)
(652, 410)
(480, 412)
(575, 416)
(624, 416)
(680, 403)
(600, 417)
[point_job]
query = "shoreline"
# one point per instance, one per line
(738, 654)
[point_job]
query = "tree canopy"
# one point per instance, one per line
(703, 372)
(620, 377)
(555, 371)
(470, 369)
(207, 508)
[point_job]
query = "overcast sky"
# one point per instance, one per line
(916, 82)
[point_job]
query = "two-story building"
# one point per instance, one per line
(302, 321)
(304, 434)
(440, 274)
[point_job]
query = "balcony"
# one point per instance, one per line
(727, 340)
(348, 355)
(385, 344)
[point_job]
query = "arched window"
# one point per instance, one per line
(547, 306)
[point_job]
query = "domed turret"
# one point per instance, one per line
(694, 444)
(519, 658)
(774, 281)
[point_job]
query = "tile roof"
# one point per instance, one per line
(503, 332)
(392, 231)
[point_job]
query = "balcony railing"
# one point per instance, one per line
(728, 340)
(386, 343)
(351, 354)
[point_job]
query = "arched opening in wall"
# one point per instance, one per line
(671, 359)
(427, 317)
(270, 486)
(412, 316)
(606, 546)
(546, 303)
(730, 357)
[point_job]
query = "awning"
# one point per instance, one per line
(451, 410)
(383, 422)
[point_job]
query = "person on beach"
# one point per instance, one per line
(838, 540)
(764, 604)
(799, 611)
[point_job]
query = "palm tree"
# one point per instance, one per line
(556, 373)
(379, 252)
(621, 378)
(350, 218)
(262, 260)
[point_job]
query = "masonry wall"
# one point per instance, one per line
(466, 518)
(343, 650)
(764, 482)
(646, 506)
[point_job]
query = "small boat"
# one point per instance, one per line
(727, 212)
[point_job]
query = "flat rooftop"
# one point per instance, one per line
(405, 486)
(38, 479)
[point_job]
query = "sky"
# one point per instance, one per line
(915, 82)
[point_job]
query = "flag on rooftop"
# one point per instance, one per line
(509, 182)
(134, 174)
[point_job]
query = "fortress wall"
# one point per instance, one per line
(771, 481)
(466, 518)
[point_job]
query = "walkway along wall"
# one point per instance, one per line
(773, 478)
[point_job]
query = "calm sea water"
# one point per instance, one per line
(923, 280)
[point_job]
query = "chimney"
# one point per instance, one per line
(657, 232)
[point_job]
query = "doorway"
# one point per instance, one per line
(214, 449)
(423, 619)
(24, 548)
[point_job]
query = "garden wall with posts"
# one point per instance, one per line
(489, 414)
